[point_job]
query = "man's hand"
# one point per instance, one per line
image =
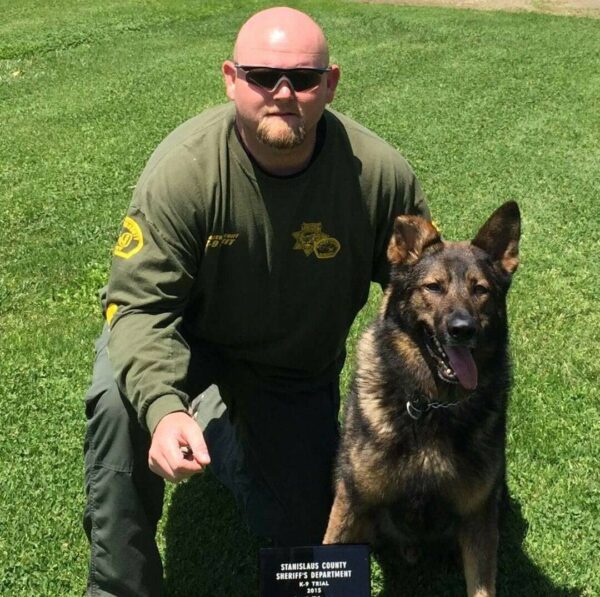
(173, 433)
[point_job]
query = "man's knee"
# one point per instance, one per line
(113, 435)
(124, 498)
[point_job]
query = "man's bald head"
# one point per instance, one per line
(281, 37)
(278, 125)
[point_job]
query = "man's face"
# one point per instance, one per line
(281, 118)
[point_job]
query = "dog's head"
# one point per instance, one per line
(451, 296)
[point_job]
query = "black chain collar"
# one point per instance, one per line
(419, 405)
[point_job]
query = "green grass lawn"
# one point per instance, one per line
(486, 106)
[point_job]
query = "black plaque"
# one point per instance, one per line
(320, 571)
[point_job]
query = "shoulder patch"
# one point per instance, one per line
(131, 239)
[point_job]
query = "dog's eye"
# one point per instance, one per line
(433, 287)
(481, 290)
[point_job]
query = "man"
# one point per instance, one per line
(248, 248)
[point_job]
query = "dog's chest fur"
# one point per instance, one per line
(421, 474)
(419, 485)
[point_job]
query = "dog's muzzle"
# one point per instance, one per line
(453, 355)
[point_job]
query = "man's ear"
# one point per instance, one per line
(499, 236)
(229, 76)
(333, 77)
(412, 235)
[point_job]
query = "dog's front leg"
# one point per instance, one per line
(345, 524)
(478, 538)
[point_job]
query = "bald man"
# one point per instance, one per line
(249, 246)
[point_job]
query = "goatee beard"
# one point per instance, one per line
(288, 138)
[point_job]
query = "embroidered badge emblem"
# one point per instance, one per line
(311, 239)
(130, 241)
(220, 240)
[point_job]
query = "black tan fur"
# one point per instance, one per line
(422, 456)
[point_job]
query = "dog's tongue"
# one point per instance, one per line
(464, 366)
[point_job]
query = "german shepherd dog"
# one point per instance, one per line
(421, 458)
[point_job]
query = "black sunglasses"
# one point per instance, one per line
(301, 79)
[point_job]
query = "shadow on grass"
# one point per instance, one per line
(209, 552)
(518, 576)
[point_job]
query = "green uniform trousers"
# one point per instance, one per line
(273, 446)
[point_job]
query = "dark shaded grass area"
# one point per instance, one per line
(209, 562)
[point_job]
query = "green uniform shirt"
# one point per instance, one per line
(272, 271)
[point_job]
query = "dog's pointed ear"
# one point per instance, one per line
(499, 236)
(412, 235)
